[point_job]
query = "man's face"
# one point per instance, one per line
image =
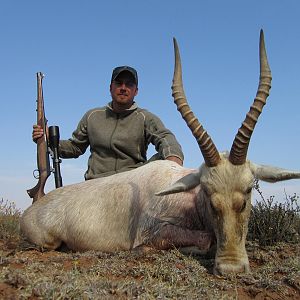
(123, 90)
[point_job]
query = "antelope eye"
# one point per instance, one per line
(205, 192)
(213, 208)
(249, 190)
(243, 206)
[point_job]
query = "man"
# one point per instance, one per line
(119, 133)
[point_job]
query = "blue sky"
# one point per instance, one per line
(76, 44)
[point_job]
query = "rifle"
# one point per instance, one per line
(43, 151)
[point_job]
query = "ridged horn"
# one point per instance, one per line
(238, 152)
(209, 151)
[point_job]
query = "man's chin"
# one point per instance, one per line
(124, 103)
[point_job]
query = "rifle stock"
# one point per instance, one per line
(42, 146)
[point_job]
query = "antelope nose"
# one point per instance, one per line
(231, 268)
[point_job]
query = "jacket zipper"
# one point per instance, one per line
(116, 158)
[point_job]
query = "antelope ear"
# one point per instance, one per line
(272, 174)
(186, 183)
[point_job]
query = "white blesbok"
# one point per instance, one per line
(162, 204)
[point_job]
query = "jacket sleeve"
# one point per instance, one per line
(162, 138)
(77, 145)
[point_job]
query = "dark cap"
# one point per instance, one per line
(121, 69)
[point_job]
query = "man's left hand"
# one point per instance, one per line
(175, 159)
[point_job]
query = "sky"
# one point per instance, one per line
(76, 44)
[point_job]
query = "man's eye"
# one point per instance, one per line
(129, 84)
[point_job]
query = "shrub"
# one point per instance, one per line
(272, 222)
(9, 220)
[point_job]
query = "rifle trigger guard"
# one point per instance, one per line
(36, 174)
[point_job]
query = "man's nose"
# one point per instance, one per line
(123, 85)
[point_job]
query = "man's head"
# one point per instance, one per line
(123, 87)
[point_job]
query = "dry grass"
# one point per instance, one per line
(31, 274)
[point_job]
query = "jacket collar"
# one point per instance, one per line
(127, 111)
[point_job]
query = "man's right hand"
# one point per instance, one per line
(38, 132)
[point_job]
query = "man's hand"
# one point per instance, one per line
(38, 132)
(175, 159)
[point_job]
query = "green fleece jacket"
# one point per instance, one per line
(118, 141)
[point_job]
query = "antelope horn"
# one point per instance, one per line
(209, 151)
(241, 142)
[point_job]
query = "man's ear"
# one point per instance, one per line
(110, 87)
(136, 91)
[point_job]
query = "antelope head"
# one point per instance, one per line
(226, 179)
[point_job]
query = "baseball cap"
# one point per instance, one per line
(120, 69)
